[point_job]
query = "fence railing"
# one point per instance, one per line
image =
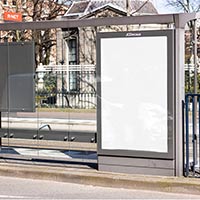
(72, 86)
(191, 121)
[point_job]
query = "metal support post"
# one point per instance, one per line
(195, 87)
(179, 94)
(0, 119)
(62, 89)
(195, 55)
(189, 84)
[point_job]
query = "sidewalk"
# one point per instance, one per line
(90, 176)
(81, 173)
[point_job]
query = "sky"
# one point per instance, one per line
(162, 7)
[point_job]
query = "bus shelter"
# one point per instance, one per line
(140, 132)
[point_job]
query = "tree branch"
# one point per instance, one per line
(140, 7)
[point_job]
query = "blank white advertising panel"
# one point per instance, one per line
(134, 93)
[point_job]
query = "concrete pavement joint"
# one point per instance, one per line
(105, 179)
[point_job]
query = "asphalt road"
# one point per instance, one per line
(18, 188)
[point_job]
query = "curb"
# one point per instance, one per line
(105, 179)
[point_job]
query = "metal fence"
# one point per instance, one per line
(66, 86)
(191, 120)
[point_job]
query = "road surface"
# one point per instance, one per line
(18, 188)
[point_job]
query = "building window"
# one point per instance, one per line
(72, 52)
(14, 2)
(23, 2)
(72, 60)
(5, 2)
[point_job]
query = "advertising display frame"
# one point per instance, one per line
(169, 33)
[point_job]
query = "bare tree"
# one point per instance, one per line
(45, 40)
(186, 6)
(40, 10)
(191, 37)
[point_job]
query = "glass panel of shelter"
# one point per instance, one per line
(62, 110)
(52, 118)
(22, 118)
(16, 127)
(4, 123)
(63, 124)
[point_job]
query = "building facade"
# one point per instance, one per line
(77, 46)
